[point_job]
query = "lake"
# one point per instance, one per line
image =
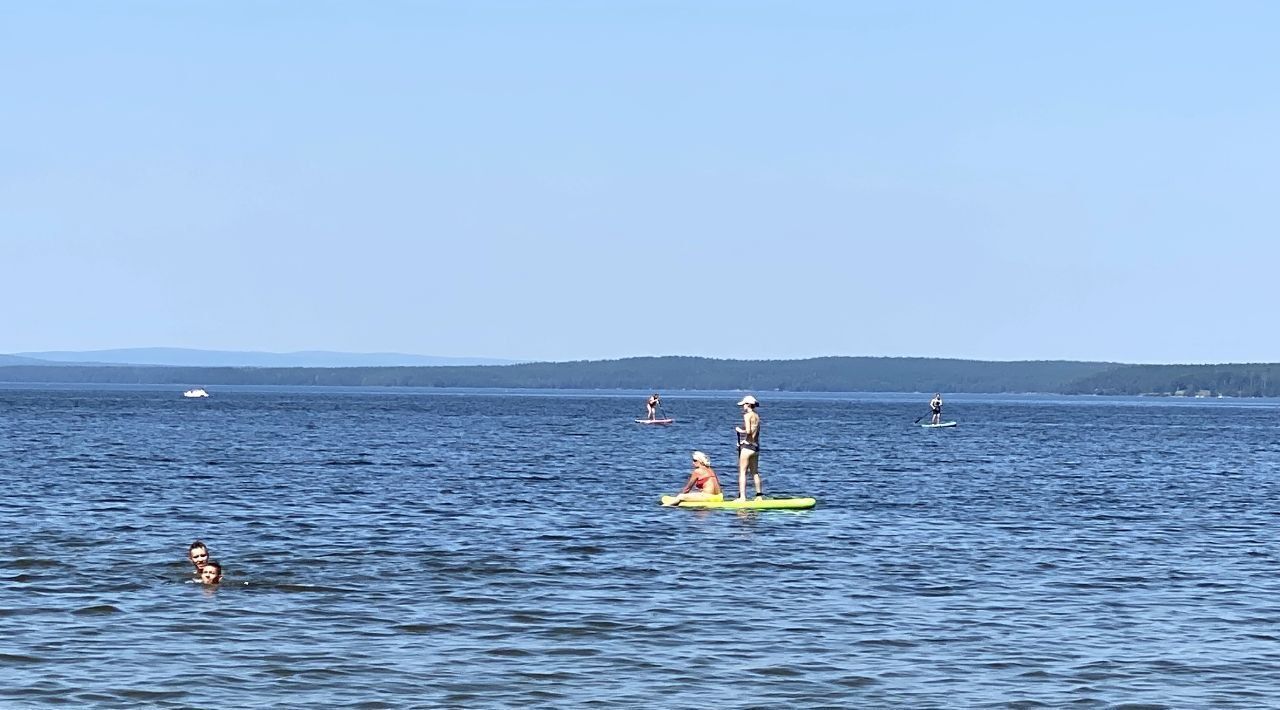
(402, 548)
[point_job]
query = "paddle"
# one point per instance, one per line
(738, 454)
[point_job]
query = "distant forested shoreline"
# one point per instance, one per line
(824, 374)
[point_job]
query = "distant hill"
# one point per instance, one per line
(1233, 380)
(184, 357)
(830, 374)
(827, 374)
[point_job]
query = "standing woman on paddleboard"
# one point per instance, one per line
(935, 407)
(749, 447)
(703, 484)
(652, 406)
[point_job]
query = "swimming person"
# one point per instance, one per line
(935, 408)
(749, 447)
(703, 484)
(198, 554)
(211, 573)
(652, 406)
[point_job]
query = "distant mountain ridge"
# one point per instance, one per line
(189, 357)
(20, 360)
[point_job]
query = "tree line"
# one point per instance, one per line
(824, 374)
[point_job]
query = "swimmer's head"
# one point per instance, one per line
(211, 573)
(198, 553)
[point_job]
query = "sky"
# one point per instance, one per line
(561, 180)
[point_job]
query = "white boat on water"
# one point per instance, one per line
(197, 392)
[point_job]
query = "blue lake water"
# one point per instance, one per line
(427, 549)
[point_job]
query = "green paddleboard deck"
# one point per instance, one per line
(749, 504)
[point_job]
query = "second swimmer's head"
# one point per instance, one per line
(699, 457)
(211, 573)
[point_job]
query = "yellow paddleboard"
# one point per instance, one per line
(748, 504)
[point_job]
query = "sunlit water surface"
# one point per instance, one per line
(426, 549)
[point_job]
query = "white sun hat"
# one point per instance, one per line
(749, 400)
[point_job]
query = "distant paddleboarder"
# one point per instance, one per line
(935, 408)
(652, 406)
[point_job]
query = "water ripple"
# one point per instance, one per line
(425, 550)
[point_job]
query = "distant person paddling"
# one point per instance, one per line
(651, 407)
(749, 447)
(935, 408)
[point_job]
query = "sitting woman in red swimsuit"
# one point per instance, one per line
(702, 483)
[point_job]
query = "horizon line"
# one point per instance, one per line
(509, 361)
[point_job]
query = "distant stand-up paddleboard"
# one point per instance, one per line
(943, 425)
(655, 421)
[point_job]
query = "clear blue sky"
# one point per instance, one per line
(581, 180)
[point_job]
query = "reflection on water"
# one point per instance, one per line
(403, 549)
